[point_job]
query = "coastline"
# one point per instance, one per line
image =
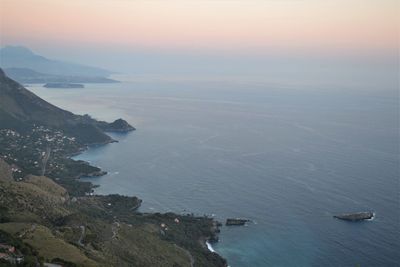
(204, 240)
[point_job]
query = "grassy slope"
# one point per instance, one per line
(142, 246)
(5, 171)
(24, 199)
(41, 214)
(50, 247)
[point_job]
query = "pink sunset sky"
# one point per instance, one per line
(252, 25)
(316, 38)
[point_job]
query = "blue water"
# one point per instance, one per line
(286, 157)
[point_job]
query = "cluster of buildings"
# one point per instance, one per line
(26, 151)
(9, 253)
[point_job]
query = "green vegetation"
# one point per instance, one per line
(101, 230)
(30, 256)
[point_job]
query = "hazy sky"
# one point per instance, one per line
(119, 29)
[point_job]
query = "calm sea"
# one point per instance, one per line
(286, 157)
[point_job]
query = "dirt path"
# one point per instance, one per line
(83, 229)
(45, 160)
(114, 228)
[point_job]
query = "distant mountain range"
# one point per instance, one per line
(24, 75)
(23, 65)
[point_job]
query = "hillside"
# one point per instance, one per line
(5, 171)
(38, 138)
(21, 109)
(96, 230)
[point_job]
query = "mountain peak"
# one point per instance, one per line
(22, 57)
(16, 50)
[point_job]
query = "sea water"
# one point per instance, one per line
(286, 157)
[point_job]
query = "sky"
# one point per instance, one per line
(111, 33)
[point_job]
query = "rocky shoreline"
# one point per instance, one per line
(205, 241)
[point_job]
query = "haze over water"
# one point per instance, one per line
(281, 111)
(287, 157)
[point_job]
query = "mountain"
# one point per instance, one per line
(22, 57)
(20, 109)
(25, 75)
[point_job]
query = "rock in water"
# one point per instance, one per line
(357, 216)
(236, 221)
